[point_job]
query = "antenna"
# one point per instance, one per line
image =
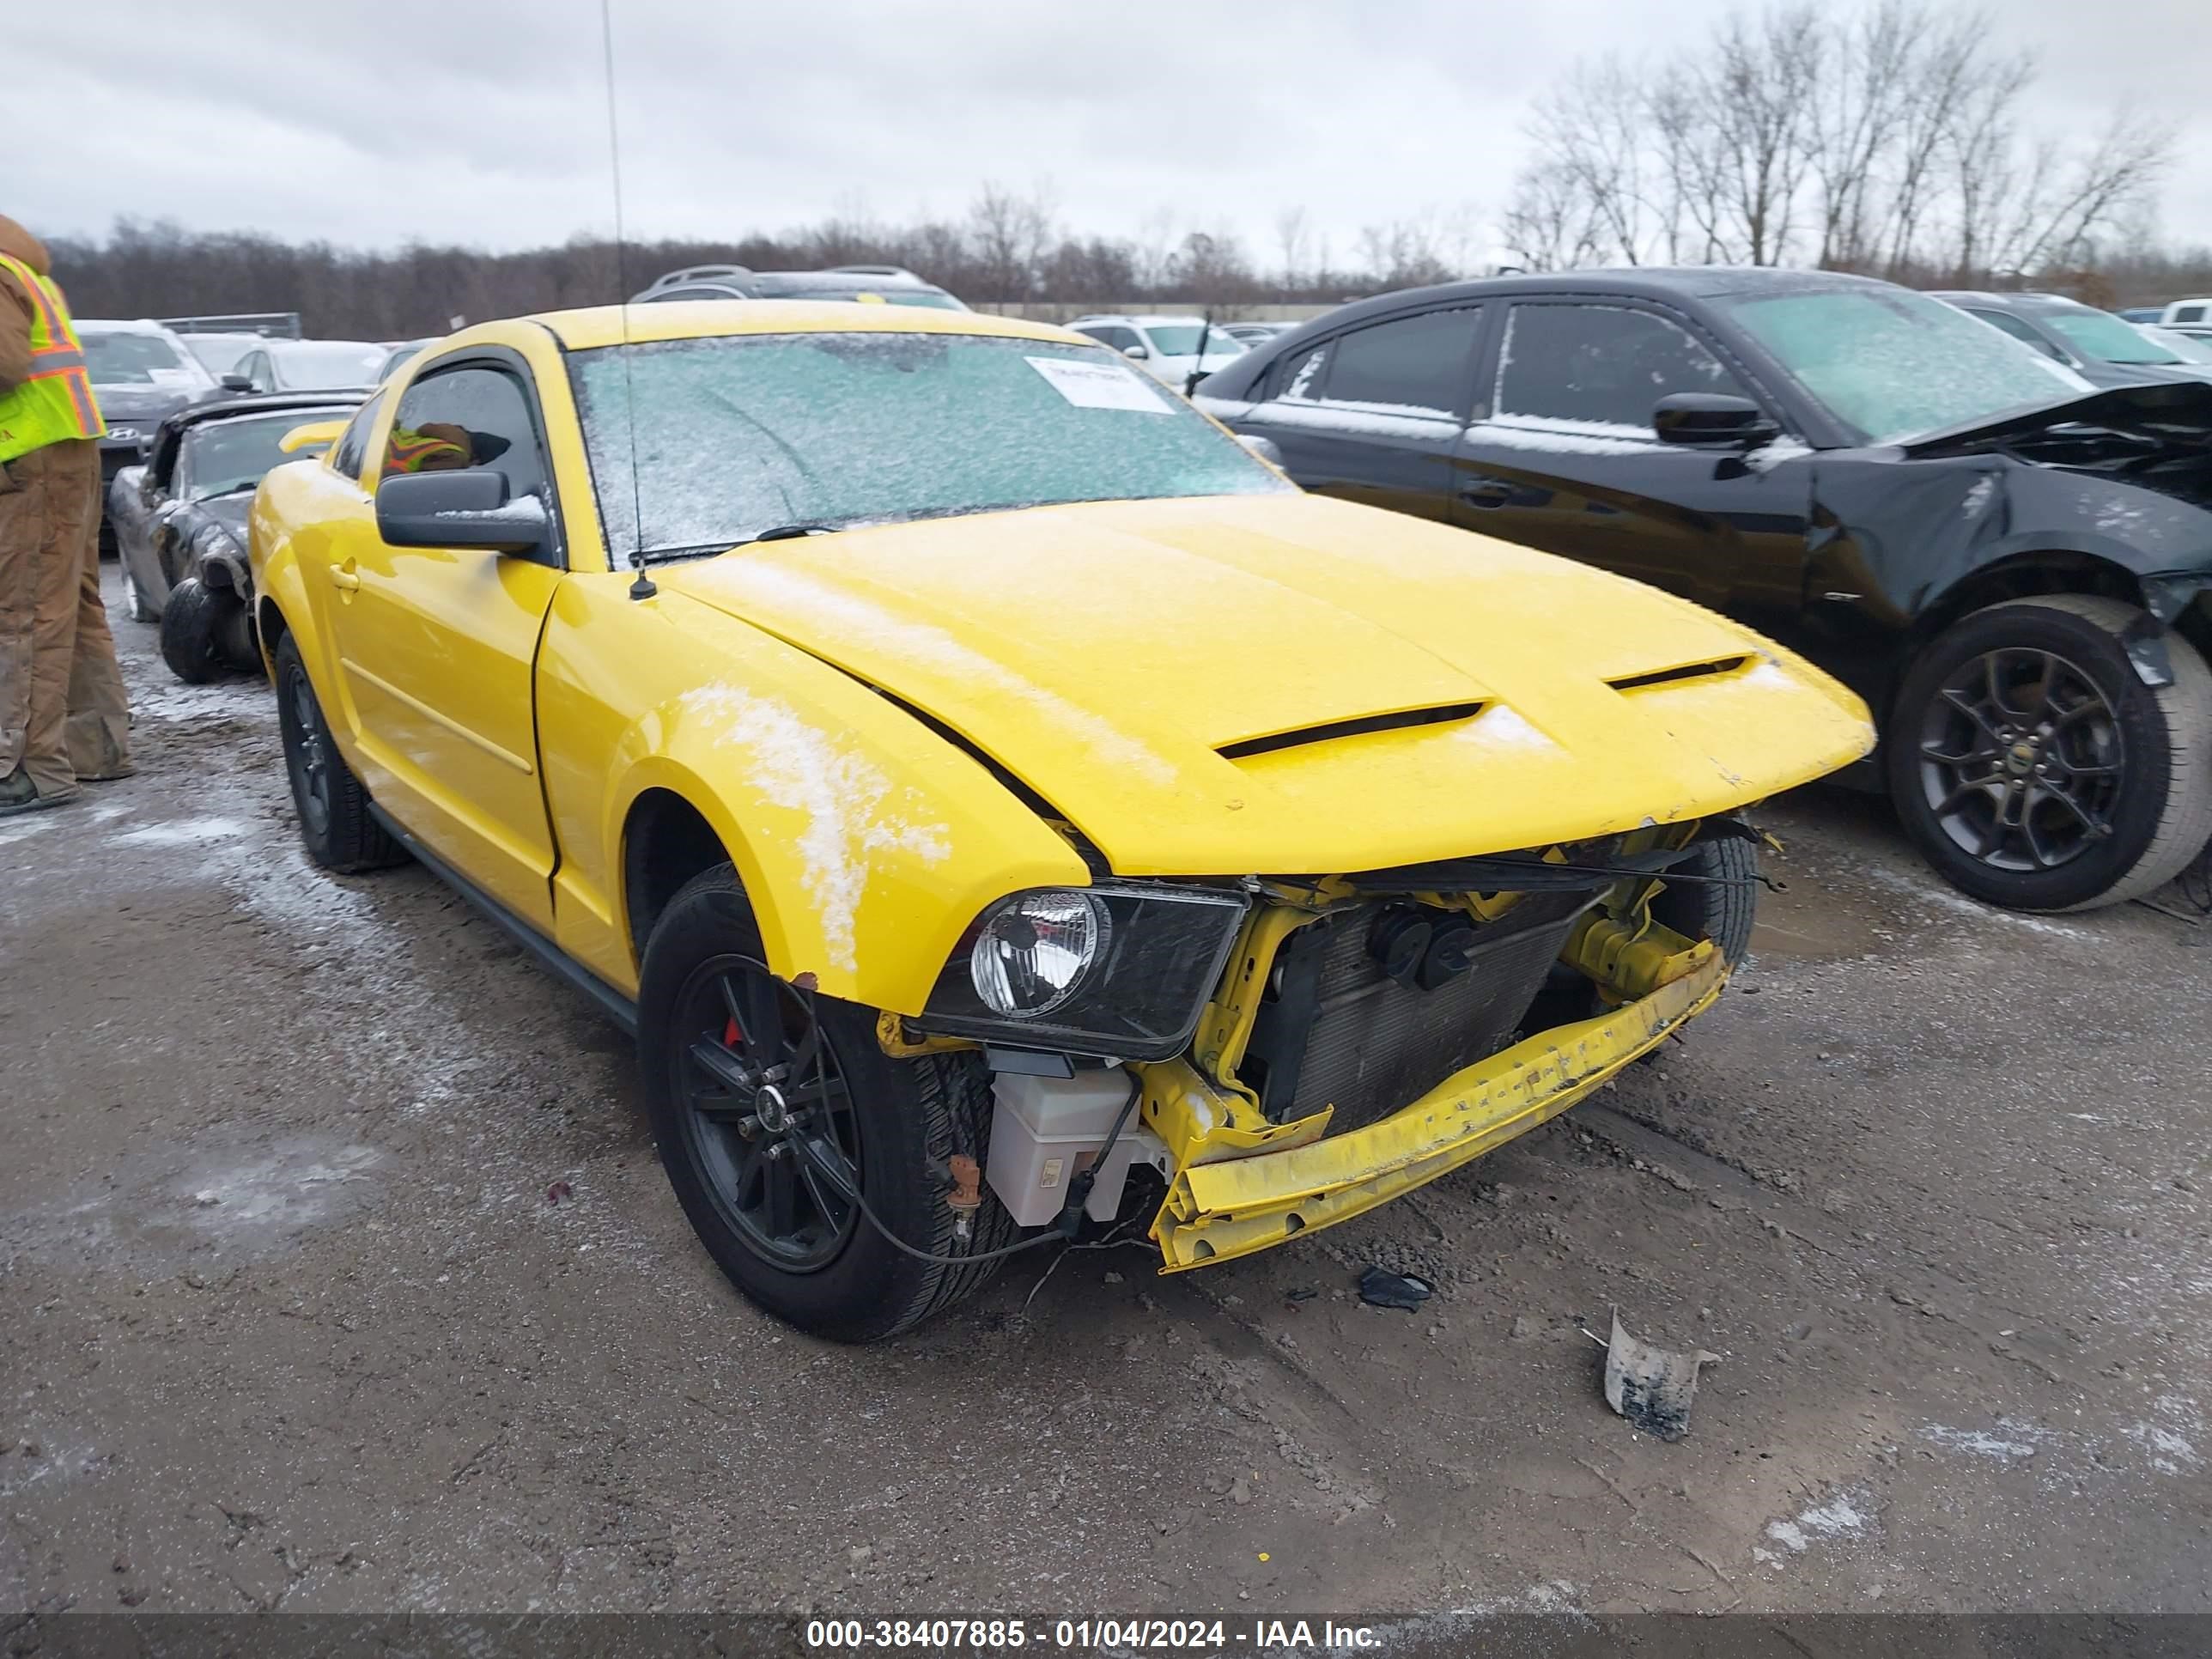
(643, 587)
(1198, 363)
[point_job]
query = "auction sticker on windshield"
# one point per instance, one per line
(1098, 386)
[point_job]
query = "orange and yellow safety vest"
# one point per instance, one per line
(55, 402)
(409, 451)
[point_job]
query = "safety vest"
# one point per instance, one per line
(55, 403)
(409, 451)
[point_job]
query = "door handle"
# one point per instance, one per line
(343, 576)
(1490, 494)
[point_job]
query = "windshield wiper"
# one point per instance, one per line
(782, 532)
(787, 532)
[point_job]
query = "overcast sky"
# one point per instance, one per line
(469, 121)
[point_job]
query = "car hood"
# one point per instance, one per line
(1194, 684)
(229, 511)
(2185, 402)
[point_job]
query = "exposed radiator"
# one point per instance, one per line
(1372, 1044)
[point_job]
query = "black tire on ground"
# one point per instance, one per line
(910, 1116)
(334, 818)
(2135, 760)
(1720, 905)
(193, 631)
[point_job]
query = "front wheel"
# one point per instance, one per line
(340, 832)
(782, 1219)
(193, 631)
(2034, 768)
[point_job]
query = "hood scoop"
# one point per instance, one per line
(1689, 670)
(1330, 731)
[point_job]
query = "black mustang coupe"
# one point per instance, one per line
(2011, 566)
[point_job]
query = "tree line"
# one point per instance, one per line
(1893, 140)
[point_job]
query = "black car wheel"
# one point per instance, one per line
(2035, 769)
(1713, 894)
(194, 630)
(735, 1081)
(335, 821)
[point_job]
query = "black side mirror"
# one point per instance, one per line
(238, 383)
(464, 509)
(1711, 418)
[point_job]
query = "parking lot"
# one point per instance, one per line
(338, 1274)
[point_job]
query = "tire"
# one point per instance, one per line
(192, 631)
(908, 1117)
(2110, 780)
(335, 823)
(1722, 905)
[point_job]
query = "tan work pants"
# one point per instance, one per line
(63, 716)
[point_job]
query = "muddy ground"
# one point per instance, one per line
(289, 1320)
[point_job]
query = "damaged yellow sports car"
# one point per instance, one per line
(997, 800)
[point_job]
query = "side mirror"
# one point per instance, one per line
(464, 509)
(1263, 447)
(238, 383)
(1135, 354)
(312, 434)
(1711, 417)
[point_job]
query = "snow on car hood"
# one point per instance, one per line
(1157, 672)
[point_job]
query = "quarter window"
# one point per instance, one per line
(1418, 364)
(1602, 365)
(473, 416)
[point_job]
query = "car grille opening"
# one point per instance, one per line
(1443, 715)
(1338, 1030)
(1689, 671)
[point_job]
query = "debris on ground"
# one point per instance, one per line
(1651, 1387)
(1381, 1288)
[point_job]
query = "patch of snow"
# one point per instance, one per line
(187, 832)
(1500, 727)
(1772, 676)
(24, 828)
(854, 617)
(841, 794)
(1947, 898)
(1837, 1518)
(1773, 454)
(1972, 503)
(1979, 1443)
(1378, 420)
(1563, 437)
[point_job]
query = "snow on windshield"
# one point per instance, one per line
(740, 433)
(1892, 363)
(135, 359)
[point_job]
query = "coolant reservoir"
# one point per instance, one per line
(1046, 1129)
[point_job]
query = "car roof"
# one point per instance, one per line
(2008, 301)
(591, 328)
(121, 325)
(1650, 282)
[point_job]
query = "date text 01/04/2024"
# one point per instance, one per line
(1217, 1635)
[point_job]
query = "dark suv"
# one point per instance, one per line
(2008, 564)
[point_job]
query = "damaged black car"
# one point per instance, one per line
(180, 523)
(2008, 564)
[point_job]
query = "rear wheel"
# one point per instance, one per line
(2035, 769)
(781, 1218)
(335, 821)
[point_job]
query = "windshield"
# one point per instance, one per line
(222, 456)
(219, 353)
(2186, 347)
(1181, 339)
(2102, 335)
(319, 365)
(1890, 363)
(740, 433)
(121, 359)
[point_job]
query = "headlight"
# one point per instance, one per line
(1032, 952)
(1119, 968)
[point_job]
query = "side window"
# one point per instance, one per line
(1420, 364)
(2189, 314)
(352, 447)
(1606, 365)
(1117, 338)
(473, 416)
(2020, 332)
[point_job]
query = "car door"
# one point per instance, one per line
(1375, 414)
(436, 646)
(1566, 458)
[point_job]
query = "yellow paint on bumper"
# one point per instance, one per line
(1234, 1207)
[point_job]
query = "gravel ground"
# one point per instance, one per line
(291, 1321)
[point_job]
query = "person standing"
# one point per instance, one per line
(64, 717)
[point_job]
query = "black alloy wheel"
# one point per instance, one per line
(758, 1082)
(336, 822)
(307, 755)
(2022, 760)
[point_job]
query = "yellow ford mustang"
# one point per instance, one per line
(992, 795)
